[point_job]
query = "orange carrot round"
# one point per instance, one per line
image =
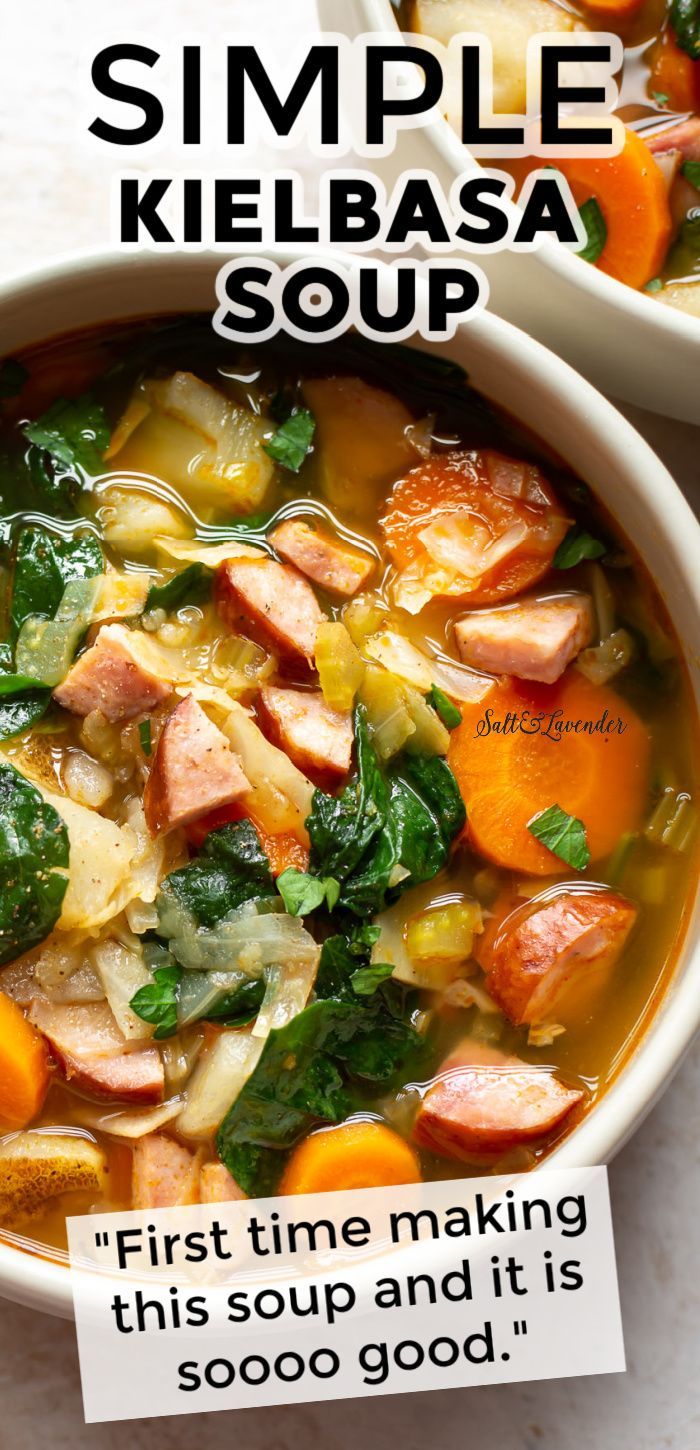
(614, 10)
(355, 1155)
(24, 1067)
(507, 775)
(497, 493)
(633, 197)
(675, 74)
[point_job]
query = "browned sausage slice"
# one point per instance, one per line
(164, 1174)
(534, 640)
(541, 955)
(325, 560)
(194, 770)
(685, 138)
(304, 726)
(274, 599)
(113, 676)
(488, 1103)
(92, 1053)
(217, 1186)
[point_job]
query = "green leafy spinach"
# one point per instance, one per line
(34, 856)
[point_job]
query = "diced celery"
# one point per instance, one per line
(340, 669)
(388, 717)
(672, 822)
(444, 933)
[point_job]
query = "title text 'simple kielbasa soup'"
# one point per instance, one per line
(345, 781)
(641, 209)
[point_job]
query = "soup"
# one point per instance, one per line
(641, 209)
(347, 778)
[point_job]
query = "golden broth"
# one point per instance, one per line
(659, 880)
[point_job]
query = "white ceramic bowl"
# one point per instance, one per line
(627, 343)
(535, 387)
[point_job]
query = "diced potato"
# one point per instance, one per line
(684, 296)
(444, 933)
(36, 1166)
(508, 24)
(87, 781)
(362, 439)
(340, 669)
(203, 444)
(120, 595)
(131, 520)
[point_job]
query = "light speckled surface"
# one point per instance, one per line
(54, 197)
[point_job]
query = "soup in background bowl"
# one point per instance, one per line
(347, 774)
(640, 209)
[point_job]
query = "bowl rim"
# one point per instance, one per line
(380, 15)
(43, 1283)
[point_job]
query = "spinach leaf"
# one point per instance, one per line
(34, 855)
(44, 564)
(13, 376)
(685, 20)
(157, 1002)
(443, 706)
(366, 980)
(74, 434)
(378, 824)
(562, 834)
(191, 585)
(341, 828)
(20, 709)
(239, 1007)
(231, 869)
(577, 545)
(691, 172)
(303, 894)
(596, 230)
(305, 1075)
(292, 441)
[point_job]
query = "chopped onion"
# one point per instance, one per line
(281, 794)
(127, 1122)
(221, 1072)
(200, 991)
(405, 659)
(195, 551)
(248, 940)
(287, 992)
(544, 1034)
(468, 993)
(464, 545)
(122, 973)
(603, 662)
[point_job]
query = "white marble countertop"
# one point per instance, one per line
(54, 197)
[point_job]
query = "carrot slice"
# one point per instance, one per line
(355, 1155)
(633, 196)
(675, 74)
(498, 495)
(24, 1066)
(614, 9)
(507, 775)
(282, 851)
